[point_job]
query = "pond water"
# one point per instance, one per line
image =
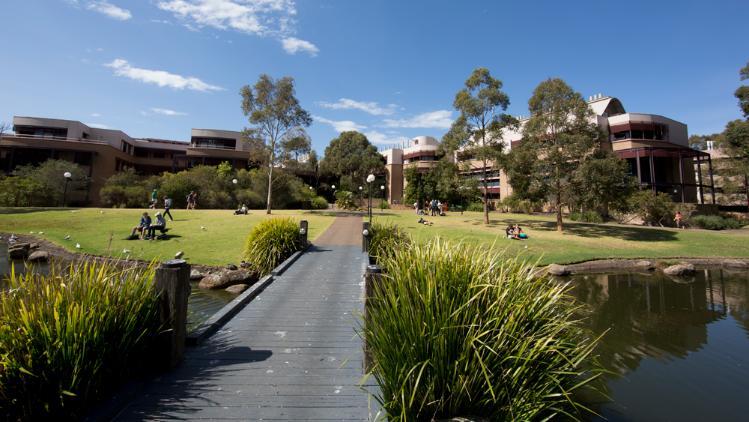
(201, 303)
(678, 350)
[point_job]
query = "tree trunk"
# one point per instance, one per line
(270, 184)
(486, 197)
(559, 207)
(746, 190)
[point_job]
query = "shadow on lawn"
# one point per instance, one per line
(29, 210)
(641, 234)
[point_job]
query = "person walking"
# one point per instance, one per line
(167, 207)
(154, 199)
(677, 219)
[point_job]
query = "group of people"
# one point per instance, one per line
(242, 210)
(147, 228)
(435, 207)
(514, 231)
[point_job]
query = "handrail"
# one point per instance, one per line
(214, 147)
(55, 138)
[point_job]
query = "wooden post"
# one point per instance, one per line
(366, 235)
(303, 230)
(372, 277)
(172, 284)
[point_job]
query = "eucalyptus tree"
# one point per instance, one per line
(350, 158)
(561, 133)
(275, 117)
(477, 132)
(742, 93)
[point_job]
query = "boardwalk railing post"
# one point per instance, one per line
(172, 284)
(366, 236)
(303, 230)
(372, 277)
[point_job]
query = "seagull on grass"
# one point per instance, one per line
(179, 254)
(77, 245)
(67, 237)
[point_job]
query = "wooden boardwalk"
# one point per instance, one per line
(291, 354)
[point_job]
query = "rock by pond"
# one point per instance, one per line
(682, 269)
(225, 278)
(237, 288)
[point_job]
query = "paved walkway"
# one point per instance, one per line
(291, 354)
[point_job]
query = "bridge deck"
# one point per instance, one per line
(290, 354)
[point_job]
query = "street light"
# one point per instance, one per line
(67, 177)
(370, 179)
(235, 181)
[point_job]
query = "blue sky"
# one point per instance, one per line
(156, 68)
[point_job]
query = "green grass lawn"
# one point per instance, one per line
(579, 242)
(220, 243)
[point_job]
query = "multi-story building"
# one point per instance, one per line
(420, 154)
(103, 152)
(655, 147)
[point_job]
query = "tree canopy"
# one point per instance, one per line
(276, 118)
(562, 135)
(350, 158)
(478, 130)
(742, 93)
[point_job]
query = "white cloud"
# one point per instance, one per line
(97, 125)
(266, 18)
(439, 119)
(294, 45)
(167, 112)
(385, 139)
(109, 9)
(340, 125)
(370, 107)
(259, 17)
(160, 77)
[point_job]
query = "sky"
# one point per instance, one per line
(390, 69)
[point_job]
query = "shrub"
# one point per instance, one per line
(715, 222)
(385, 239)
(653, 208)
(319, 203)
(345, 200)
(455, 331)
(384, 205)
(586, 217)
(252, 199)
(517, 205)
(69, 337)
(271, 242)
(475, 206)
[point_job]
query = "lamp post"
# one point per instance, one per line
(370, 179)
(334, 198)
(67, 177)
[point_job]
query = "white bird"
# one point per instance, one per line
(31, 232)
(126, 251)
(179, 254)
(77, 245)
(101, 212)
(41, 232)
(202, 227)
(67, 237)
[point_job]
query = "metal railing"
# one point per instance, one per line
(55, 138)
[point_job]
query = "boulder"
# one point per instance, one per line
(18, 251)
(237, 288)
(244, 264)
(39, 256)
(683, 269)
(34, 246)
(224, 279)
(196, 275)
(556, 269)
(231, 267)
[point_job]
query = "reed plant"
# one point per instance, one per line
(386, 238)
(271, 242)
(456, 331)
(69, 337)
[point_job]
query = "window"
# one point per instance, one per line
(621, 135)
(158, 154)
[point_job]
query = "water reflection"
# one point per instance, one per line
(677, 348)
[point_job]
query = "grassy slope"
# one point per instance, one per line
(220, 243)
(580, 241)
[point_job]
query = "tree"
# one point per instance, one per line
(602, 183)
(478, 129)
(735, 142)
(350, 157)
(559, 130)
(4, 127)
(275, 115)
(742, 93)
(50, 184)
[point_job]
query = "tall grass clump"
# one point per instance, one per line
(385, 239)
(271, 242)
(454, 331)
(69, 337)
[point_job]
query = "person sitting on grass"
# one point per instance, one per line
(518, 233)
(141, 228)
(241, 210)
(160, 225)
(509, 231)
(424, 222)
